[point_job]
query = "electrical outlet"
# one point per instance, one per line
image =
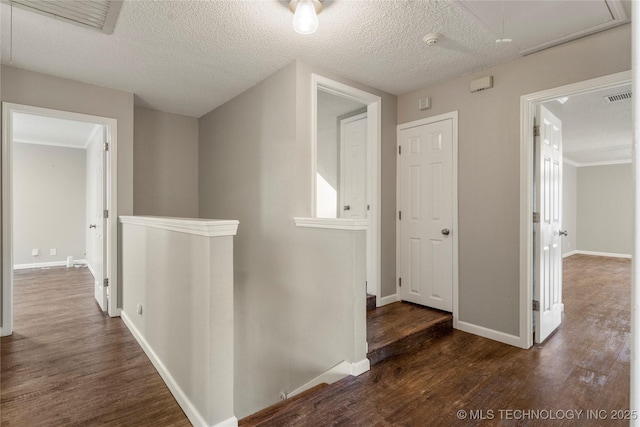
(34, 252)
(53, 251)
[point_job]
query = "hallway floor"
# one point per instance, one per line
(68, 364)
(465, 380)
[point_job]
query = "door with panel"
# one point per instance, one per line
(426, 214)
(100, 153)
(353, 167)
(547, 225)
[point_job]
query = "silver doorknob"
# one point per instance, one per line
(445, 231)
(347, 208)
(92, 226)
(563, 233)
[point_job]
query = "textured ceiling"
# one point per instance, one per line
(188, 57)
(596, 131)
(34, 129)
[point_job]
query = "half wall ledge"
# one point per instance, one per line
(196, 226)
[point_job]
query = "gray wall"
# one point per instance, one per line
(48, 202)
(294, 287)
(41, 90)
(489, 163)
(165, 173)
(569, 207)
(605, 208)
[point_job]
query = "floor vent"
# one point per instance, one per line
(97, 14)
(618, 97)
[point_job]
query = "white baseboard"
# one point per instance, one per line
(185, 403)
(607, 254)
(568, 254)
(387, 300)
(336, 373)
(490, 333)
(47, 264)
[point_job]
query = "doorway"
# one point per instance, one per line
(328, 199)
(529, 104)
(91, 238)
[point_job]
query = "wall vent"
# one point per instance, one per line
(618, 97)
(97, 14)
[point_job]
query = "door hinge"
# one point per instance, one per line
(106, 146)
(105, 283)
(399, 149)
(399, 215)
(536, 305)
(105, 213)
(399, 281)
(536, 130)
(536, 217)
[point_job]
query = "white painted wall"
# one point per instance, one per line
(605, 209)
(49, 203)
(489, 163)
(299, 293)
(569, 207)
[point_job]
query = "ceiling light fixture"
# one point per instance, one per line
(305, 15)
(502, 39)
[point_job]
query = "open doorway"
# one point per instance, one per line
(58, 190)
(346, 147)
(529, 256)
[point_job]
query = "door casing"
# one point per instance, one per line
(454, 186)
(7, 204)
(528, 104)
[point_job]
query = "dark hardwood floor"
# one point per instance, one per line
(584, 366)
(69, 364)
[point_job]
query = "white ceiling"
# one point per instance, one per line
(595, 131)
(188, 57)
(43, 130)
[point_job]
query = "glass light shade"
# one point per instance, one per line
(305, 20)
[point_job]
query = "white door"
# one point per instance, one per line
(426, 214)
(547, 244)
(353, 167)
(101, 223)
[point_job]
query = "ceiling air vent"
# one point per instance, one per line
(618, 97)
(98, 14)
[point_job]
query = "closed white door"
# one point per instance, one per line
(101, 223)
(353, 167)
(547, 227)
(426, 214)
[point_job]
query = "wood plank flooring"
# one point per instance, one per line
(403, 327)
(583, 366)
(68, 364)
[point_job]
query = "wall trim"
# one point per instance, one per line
(189, 409)
(333, 223)
(334, 374)
(195, 226)
(606, 254)
(488, 333)
(568, 254)
(388, 300)
(81, 262)
(607, 163)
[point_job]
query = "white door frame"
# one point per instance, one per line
(374, 150)
(7, 205)
(454, 186)
(528, 105)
